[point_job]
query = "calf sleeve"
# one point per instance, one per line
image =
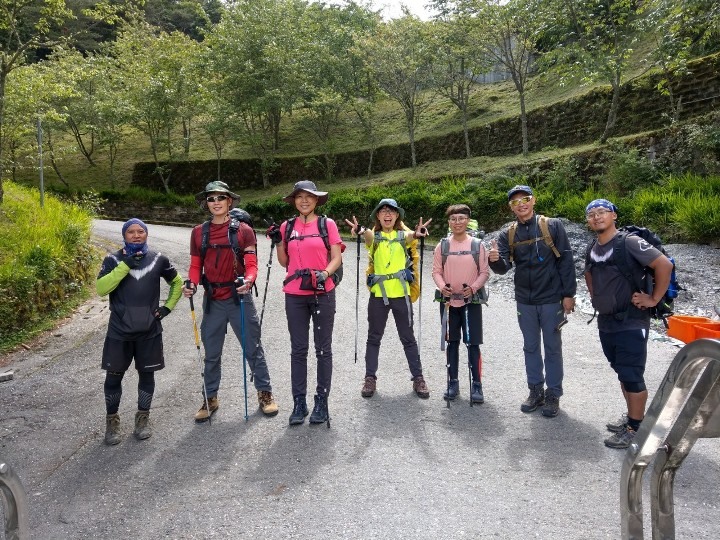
(634, 387)
(453, 352)
(113, 390)
(475, 362)
(146, 389)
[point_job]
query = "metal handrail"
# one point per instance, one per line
(685, 408)
(15, 504)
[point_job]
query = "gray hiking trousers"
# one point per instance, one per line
(536, 321)
(213, 330)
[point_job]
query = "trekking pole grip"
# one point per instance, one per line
(188, 285)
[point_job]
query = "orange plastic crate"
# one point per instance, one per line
(682, 327)
(707, 330)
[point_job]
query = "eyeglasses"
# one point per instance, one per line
(458, 219)
(387, 210)
(216, 198)
(597, 214)
(522, 200)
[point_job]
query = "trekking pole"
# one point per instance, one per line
(422, 249)
(188, 285)
(445, 339)
(357, 294)
(267, 277)
(467, 343)
(242, 344)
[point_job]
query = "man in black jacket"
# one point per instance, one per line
(545, 287)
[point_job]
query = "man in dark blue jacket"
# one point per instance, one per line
(545, 287)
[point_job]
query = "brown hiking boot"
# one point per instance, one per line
(112, 429)
(368, 389)
(267, 403)
(142, 425)
(202, 415)
(420, 387)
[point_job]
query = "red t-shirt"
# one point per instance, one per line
(220, 264)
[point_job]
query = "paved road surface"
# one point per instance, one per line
(393, 466)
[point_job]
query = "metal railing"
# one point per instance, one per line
(685, 408)
(15, 504)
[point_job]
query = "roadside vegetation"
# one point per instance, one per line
(46, 262)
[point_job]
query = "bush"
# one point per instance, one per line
(625, 172)
(698, 218)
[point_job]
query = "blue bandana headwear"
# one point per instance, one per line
(601, 203)
(130, 248)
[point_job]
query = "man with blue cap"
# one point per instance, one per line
(623, 312)
(131, 276)
(545, 287)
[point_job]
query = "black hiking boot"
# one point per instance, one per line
(299, 412)
(453, 390)
(552, 405)
(476, 395)
(535, 399)
(320, 412)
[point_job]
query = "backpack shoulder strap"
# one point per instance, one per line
(444, 250)
(323, 230)
(545, 230)
(204, 240)
(475, 251)
(288, 231)
(511, 238)
(623, 261)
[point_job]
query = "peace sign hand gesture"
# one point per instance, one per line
(421, 229)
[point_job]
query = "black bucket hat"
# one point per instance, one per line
(216, 187)
(310, 187)
(392, 203)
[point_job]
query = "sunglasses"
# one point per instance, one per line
(216, 198)
(522, 200)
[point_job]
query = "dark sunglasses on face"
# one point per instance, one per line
(522, 200)
(216, 198)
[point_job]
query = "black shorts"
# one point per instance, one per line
(148, 354)
(627, 353)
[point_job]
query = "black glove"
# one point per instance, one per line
(161, 313)
(273, 233)
(132, 261)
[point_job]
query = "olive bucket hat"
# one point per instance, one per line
(310, 187)
(216, 187)
(392, 203)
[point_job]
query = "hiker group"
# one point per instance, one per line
(224, 260)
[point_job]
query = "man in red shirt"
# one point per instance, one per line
(218, 270)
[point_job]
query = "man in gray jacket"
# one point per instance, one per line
(545, 287)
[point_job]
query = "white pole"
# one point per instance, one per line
(42, 179)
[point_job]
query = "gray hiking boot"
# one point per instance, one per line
(142, 425)
(618, 425)
(535, 399)
(551, 406)
(476, 396)
(112, 429)
(453, 390)
(621, 439)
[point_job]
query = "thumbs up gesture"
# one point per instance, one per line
(493, 254)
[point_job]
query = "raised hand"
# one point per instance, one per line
(355, 227)
(274, 234)
(493, 254)
(421, 229)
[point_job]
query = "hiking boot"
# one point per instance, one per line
(453, 390)
(552, 405)
(112, 429)
(535, 399)
(420, 387)
(267, 403)
(621, 439)
(299, 412)
(203, 415)
(618, 425)
(368, 389)
(142, 425)
(320, 413)
(476, 395)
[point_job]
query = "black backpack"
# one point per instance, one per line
(642, 279)
(323, 233)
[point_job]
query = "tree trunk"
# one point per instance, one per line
(612, 115)
(52, 158)
(466, 135)
(186, 137)
(370, 162)
(3, 79)
(523, 125)
(81, 144)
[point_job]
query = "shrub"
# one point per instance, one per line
(626, 171)
(698, 218)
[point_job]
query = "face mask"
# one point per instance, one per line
(135, 249)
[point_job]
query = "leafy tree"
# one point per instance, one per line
(599, 44)
(399, 54)
(255, 50)
(25, 26)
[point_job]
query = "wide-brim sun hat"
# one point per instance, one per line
(392, 203)
(216, 187)
(310, 187)
(519, 189)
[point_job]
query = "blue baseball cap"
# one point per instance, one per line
(601, 203)
(520, 189)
